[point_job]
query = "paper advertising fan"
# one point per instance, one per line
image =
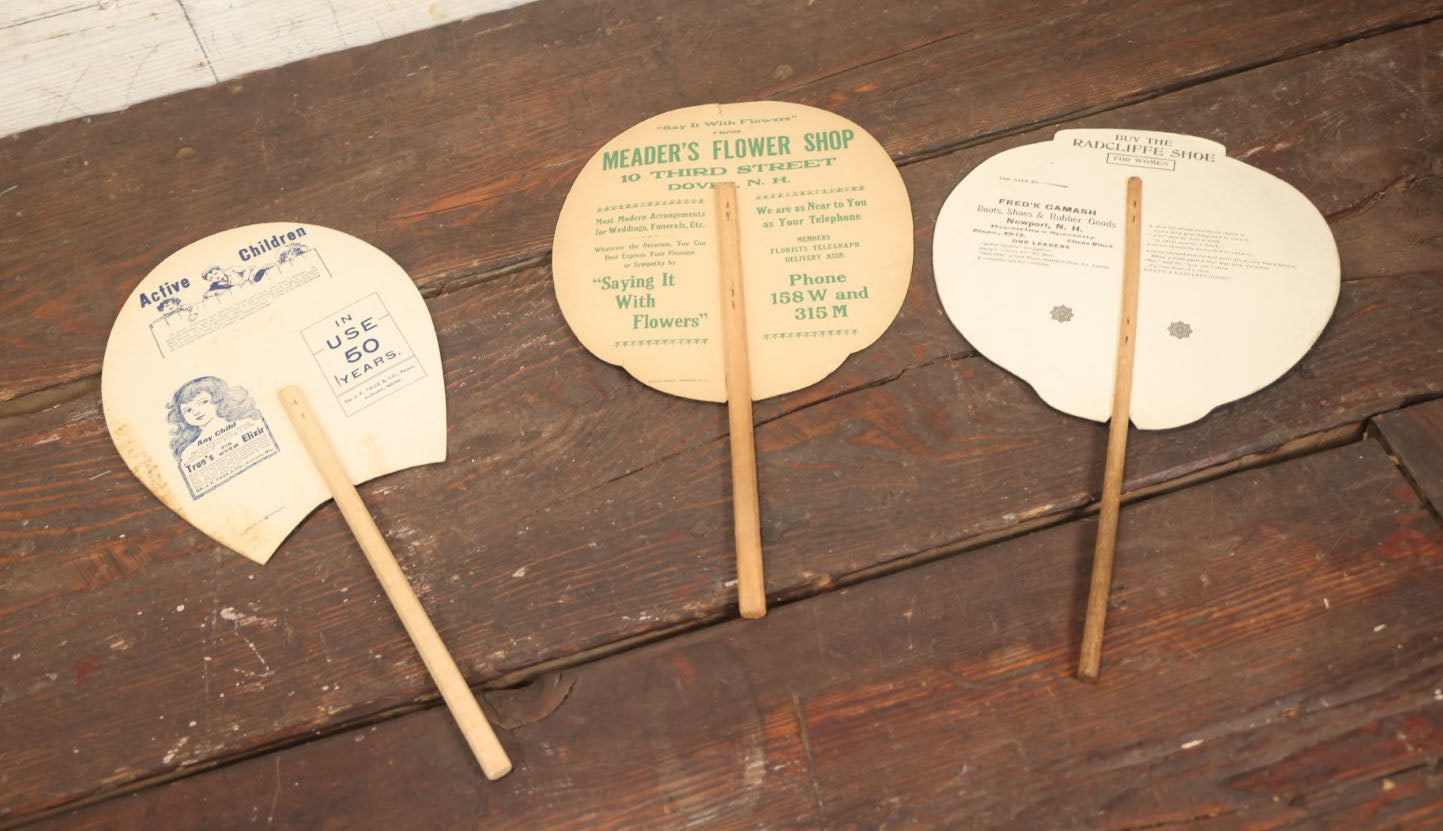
(732, 252)
(1133, 274)
(263, 370)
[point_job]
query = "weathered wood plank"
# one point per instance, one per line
(132, 617)
(1273, 655)
(1399, 802)
(580, 509)
(1415, 435)
(452, 149)
(67, 58)
(62, 59)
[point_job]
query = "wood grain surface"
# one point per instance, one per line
(452, 149)
(66, 58)
(1415, 436)
(1274, 654)
(580, 513)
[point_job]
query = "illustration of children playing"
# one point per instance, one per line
(171, 306)
(219, 282)
(291, 252)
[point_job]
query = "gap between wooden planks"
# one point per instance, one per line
(1414, 438)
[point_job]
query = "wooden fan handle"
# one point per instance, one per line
(1090, 664)
(746, 502)
(454, 689)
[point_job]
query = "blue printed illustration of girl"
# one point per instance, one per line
(202, 408)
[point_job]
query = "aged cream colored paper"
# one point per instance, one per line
(202, 346)
(826, 240)
(1239, 271)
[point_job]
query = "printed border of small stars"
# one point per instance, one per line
(621, 344)
(657, 203)
(814, 192)
(812, 333)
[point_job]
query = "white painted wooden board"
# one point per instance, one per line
(63, 59)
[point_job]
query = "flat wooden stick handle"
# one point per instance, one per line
(454, 690)
(1090, 664)
(746, 503)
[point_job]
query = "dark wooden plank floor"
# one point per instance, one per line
(1415, 435)
(1284, 650)
(581, 514)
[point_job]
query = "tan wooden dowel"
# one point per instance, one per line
(1090, 664)
(454, 690)
(746, 503)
